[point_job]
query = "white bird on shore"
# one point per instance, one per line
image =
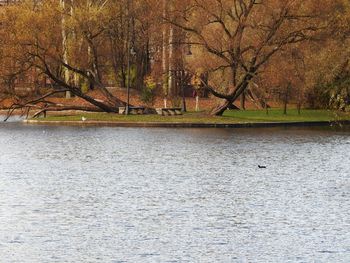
(83, 118)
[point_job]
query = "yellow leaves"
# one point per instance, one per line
(196, 80)
(150, 83)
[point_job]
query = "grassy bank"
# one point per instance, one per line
(276, 115)
(250, 116)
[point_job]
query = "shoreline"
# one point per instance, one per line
(189, 124)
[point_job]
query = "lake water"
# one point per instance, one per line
(74, 194)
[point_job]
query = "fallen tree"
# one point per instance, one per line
(41, 105)
(111, 104)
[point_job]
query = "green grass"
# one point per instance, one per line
(275, 115)
(186, 118)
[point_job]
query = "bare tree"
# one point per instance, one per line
(239, 37)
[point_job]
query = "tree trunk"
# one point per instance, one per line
(183, 105)
(228, 100)
(243, 99)
(164, 55)
(285, 106)
(197, 103)
(299, 101)
(233, 107)
(220, 109)
(65, 108)
(171, 62)
(77, 91)
(65, 46)
(285, 101)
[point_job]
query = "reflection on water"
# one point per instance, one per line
(71, 194)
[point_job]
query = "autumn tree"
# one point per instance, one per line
(72, 43)
(234, 43)
(239, 37)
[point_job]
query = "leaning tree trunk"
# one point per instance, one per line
(221, 108)
(106, 107)
(230, 98)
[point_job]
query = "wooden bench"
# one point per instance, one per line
(169, 111)
(132, 110)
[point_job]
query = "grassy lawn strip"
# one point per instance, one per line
(275, 115)
(108, 117)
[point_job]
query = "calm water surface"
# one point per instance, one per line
(71, 194)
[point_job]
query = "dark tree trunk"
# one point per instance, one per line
(107, 107)
(286, 97)
(101, 105)
(220, 109)
(231, 97)
(233, 107)
(285, 107)
(285, 101)
(242, 100)
(182, 86)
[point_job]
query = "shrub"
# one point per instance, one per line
(148, 91)
(333, 95)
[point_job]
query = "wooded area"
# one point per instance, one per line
(231, 49)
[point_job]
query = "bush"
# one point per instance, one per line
(148, 91)
(333, 95)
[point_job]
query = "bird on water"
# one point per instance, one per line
(262, 166)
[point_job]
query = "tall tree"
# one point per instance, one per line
(239, 37)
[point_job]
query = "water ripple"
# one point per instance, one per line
(71, 194)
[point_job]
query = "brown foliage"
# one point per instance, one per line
(239, 44)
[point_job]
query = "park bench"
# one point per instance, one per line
(132, 110)
(169, 111)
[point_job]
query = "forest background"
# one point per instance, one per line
(84, 54)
